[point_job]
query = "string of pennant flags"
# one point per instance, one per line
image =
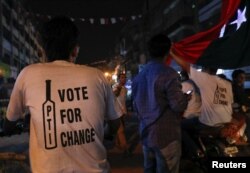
(100, 20)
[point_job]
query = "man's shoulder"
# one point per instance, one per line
(36, 66)
(124, 89)
(169, 73)
(171, 70)
(93, 70)
(31, 68)
(187, 83)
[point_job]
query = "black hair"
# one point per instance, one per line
(120, 74)
(184, 75)
(59, 36)
(210, 70)
(222, 76)
(158, 46)
(236, 73)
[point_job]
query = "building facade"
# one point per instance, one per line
(18, 38)
(178, 19)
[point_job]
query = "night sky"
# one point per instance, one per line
(97, 41)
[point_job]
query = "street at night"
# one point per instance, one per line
(124, 86)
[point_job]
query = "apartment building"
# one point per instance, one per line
(18, 38)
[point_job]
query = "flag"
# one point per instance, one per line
(91, 20)
(113, 20)
(196, 48)
(133, 17)
(102, 21)
(233, 49)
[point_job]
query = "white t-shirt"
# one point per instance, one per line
(216, 96)
(68, 104)
(194, 104)
(121, 98)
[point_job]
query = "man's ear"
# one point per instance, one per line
(41, 54)
(74, 53)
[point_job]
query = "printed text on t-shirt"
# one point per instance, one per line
(220, 96)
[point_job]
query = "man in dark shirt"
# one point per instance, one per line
(159, 101)
(240, 96)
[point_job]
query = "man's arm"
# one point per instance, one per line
(9, 127)
(113, 114)
(16, 108)
(178, 101)
(184, 65)
(114, 126)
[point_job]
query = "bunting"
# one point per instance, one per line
(92, 20)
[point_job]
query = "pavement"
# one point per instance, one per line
(14, 154)
(19, 144)
(124, 163)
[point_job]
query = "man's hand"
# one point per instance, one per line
(188, 96)
(180, 60)
(117, 90)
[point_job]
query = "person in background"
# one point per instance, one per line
(120, 92)
(159, 102)
(3, 92)
(240, 96)
(4, 100)
(67, 104)
(216, 99)
(224, 77)
(194, 104)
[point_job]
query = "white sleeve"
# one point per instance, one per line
(200, 78)
(122, 100)
(16, 107)
(113, 110)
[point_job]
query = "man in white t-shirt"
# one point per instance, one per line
(216, 98)
(216, 94)
(120, 92)
(67, 103)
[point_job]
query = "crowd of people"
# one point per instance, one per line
(69, 103)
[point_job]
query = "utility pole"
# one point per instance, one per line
(1, 31)
(146, 25)
(195, 9)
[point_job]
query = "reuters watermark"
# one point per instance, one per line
(231, 164)
(237, 163)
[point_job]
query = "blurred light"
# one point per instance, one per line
(220, 71)
(114, 77)
(106, 74)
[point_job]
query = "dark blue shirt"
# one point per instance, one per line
(158, 100)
